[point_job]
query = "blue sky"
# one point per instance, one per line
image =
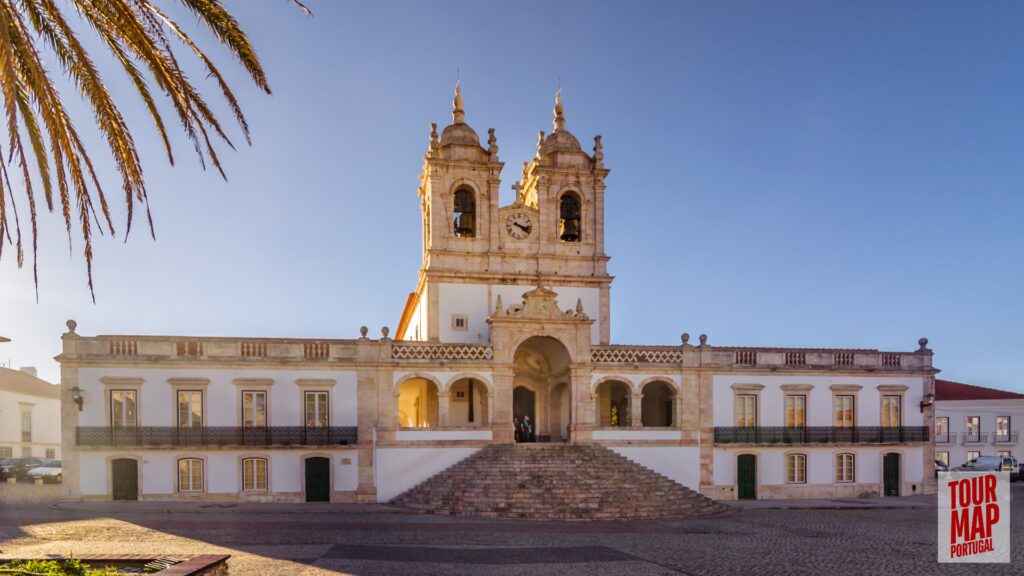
(842, 174)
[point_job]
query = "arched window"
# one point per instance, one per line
(417, 404)
(254, 474)
(569, 218)
(190, 475)
(656, 405)
(613, 408)
(796, 468)
(465, 213)
(845, 465)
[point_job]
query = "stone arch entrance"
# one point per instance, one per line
(541, 375)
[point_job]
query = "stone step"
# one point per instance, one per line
(553, 481)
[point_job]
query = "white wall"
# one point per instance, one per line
(820, 463)
(222, 397)
(473, 301)
(399, 469)
(958, 410)
(819, 400)
(45, 423)
(678, 463)
(158, 473)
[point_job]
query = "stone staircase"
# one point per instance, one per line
(553, 482)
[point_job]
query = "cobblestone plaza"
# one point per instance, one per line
(832, 537)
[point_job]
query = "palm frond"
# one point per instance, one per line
(42, 141)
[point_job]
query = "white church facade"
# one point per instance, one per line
(509, 321)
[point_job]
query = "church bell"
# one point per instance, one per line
(464, 225)
(569, 229)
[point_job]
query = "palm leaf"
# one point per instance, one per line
(42, 141)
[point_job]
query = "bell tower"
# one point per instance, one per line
(476, 252)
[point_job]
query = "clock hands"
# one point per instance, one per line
(521, 227)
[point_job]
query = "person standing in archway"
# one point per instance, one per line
(528, 430)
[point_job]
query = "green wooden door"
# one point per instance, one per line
(891, 474)
(318, 480)
(746, 477)
(125, 479)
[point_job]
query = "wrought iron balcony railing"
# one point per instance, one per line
(945, 438)
(783, 435)
(215, 436)
(974, 438)
(1005, 438)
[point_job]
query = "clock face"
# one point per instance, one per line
(519, 225)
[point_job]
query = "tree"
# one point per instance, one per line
(143, 41)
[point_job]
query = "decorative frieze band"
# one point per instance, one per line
(636, 355)
(441, 352)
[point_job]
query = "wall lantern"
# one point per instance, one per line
(76, 395)
(927, 400)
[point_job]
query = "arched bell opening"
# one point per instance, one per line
(569, 229)
(656, 405)
(465, 213)
(417, 404)
(613, 409)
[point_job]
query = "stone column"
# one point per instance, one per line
(442, 408)
(70, 488)
(372, 385)
(636, 405)
(581, 417)
(502, 429)
(707, 438)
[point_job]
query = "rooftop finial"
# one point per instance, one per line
(559, 111)
(458, 115)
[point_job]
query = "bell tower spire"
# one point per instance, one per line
(458, 114)
(559, 122)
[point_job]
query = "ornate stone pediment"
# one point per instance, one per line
(538, 304)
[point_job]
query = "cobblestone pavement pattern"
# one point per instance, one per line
(373, 540)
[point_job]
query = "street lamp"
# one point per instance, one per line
(76, 395)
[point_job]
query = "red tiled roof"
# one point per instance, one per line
(949, 390)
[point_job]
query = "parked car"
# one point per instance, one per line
(49, 471)
(940, 467)
(18, 467)
(980, 464)
(1011, 465)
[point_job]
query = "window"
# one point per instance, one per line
(190, 475)
(942, 429)
(973, 429)
(796, 411)
(1004, 454)
(844, 411)
(746, 410)
(845, 464)
(890, 411)
(1002, 428)
(254, 409)
(465, 214)
(316, 409)
(26, 451)
(942, 457)
(6, 452)
(190, 409)
(972, 454)
(460, 322)
(122, 409)
(569, 218)
(796, 468)
(254, 474)
(51, 453)
(26, 426)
